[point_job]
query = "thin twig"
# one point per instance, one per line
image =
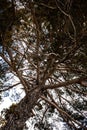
(74, 28)
(2, 90)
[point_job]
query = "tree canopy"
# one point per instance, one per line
(43, 43)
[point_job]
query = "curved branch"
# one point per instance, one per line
(62, 11)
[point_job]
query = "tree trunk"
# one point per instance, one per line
(18, 114)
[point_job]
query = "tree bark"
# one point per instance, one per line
(17, 115)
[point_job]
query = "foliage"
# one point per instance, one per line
(45, 47)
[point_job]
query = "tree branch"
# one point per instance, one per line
(2, 90)
(64, 84)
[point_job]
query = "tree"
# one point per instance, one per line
(47, 52)
(5, 8)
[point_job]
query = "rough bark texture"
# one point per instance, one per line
(18, 114)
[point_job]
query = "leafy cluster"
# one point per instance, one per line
(45, 48)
